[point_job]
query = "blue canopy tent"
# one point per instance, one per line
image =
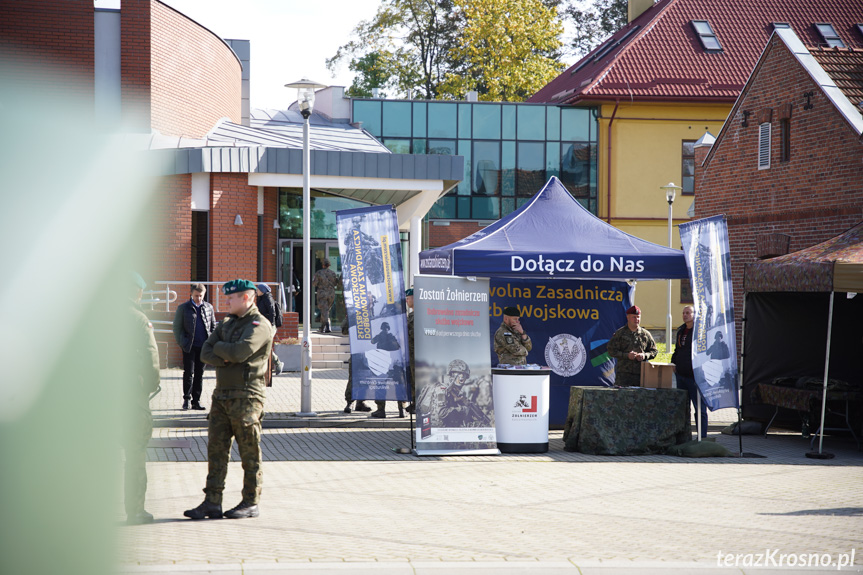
(554, 236)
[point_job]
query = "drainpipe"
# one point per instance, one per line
(608, 165)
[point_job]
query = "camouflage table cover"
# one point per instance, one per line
(800, 399)
(626, 420)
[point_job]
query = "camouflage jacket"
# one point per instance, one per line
(325, 281)
(146, 356)
(239, 348)
(625, 340)
(509, 347)
(445, 404)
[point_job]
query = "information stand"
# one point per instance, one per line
(521, 398)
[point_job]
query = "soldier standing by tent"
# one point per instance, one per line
(511, 344)
(631, 345)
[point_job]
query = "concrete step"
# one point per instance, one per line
(330, 350)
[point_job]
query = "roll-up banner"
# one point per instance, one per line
(375, 301)
(454, 407)
(569, 323)
(714, 350)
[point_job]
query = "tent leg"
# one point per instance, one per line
(819, 454)
(740, 387)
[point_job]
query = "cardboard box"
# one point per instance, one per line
(657, 375)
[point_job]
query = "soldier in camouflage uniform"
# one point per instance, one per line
(447, 405)
(631, 345)
(139, 428)
(511, 344)
(240, 350)
(325, 282)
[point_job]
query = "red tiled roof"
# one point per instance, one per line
(660, 57)
(845, 67)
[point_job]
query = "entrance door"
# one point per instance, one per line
(291, 254)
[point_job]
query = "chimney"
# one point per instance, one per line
(636, 8)
(472, 96)
(376, 92)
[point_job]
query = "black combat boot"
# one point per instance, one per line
(205, 509)
(197, 406)
(185, 404)
(410, 408)
(379, 413)
(361, 406)
(348, 407)
(139, 518)
(242, 511)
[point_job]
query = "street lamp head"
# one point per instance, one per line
(670, 191)
(306, 95)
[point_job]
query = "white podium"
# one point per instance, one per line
(521, 398)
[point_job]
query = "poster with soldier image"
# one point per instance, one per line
(455, 412)
(375, 302)
(714, 352)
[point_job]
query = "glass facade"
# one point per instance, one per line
(322, 216)
(510, 150)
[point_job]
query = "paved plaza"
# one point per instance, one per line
(338, 498)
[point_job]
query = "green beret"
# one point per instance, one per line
(409, 291)
(138, 280)
(234, 286)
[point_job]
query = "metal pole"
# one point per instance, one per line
(306, 359)
(668, 318)
(826, 371)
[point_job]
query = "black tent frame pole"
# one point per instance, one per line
(740, 374)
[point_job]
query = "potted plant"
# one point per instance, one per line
(288, 350)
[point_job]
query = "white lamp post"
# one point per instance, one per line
(670, 192)
(306, 101)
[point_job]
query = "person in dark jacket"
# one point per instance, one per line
(194, 321)
(682, 360)
(267, 306)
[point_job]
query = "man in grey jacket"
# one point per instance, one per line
(194, 321)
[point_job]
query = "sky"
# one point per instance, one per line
(290, 39)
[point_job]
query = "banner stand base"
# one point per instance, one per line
(425, 452)
(817, 455)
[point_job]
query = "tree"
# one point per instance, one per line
(507, 51)
(411, 39)
(372, 71)
(593, 21)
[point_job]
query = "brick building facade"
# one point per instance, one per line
(800, 186)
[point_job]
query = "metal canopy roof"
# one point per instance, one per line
(345, 160)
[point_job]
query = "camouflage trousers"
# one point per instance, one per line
(349, 388)
(241, 419)
(137, 436)
(325, 302)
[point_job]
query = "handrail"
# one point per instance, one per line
(163, 321)
(279, 286)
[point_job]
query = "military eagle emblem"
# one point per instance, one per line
(565, 354)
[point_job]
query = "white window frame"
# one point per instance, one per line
(764, 134)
